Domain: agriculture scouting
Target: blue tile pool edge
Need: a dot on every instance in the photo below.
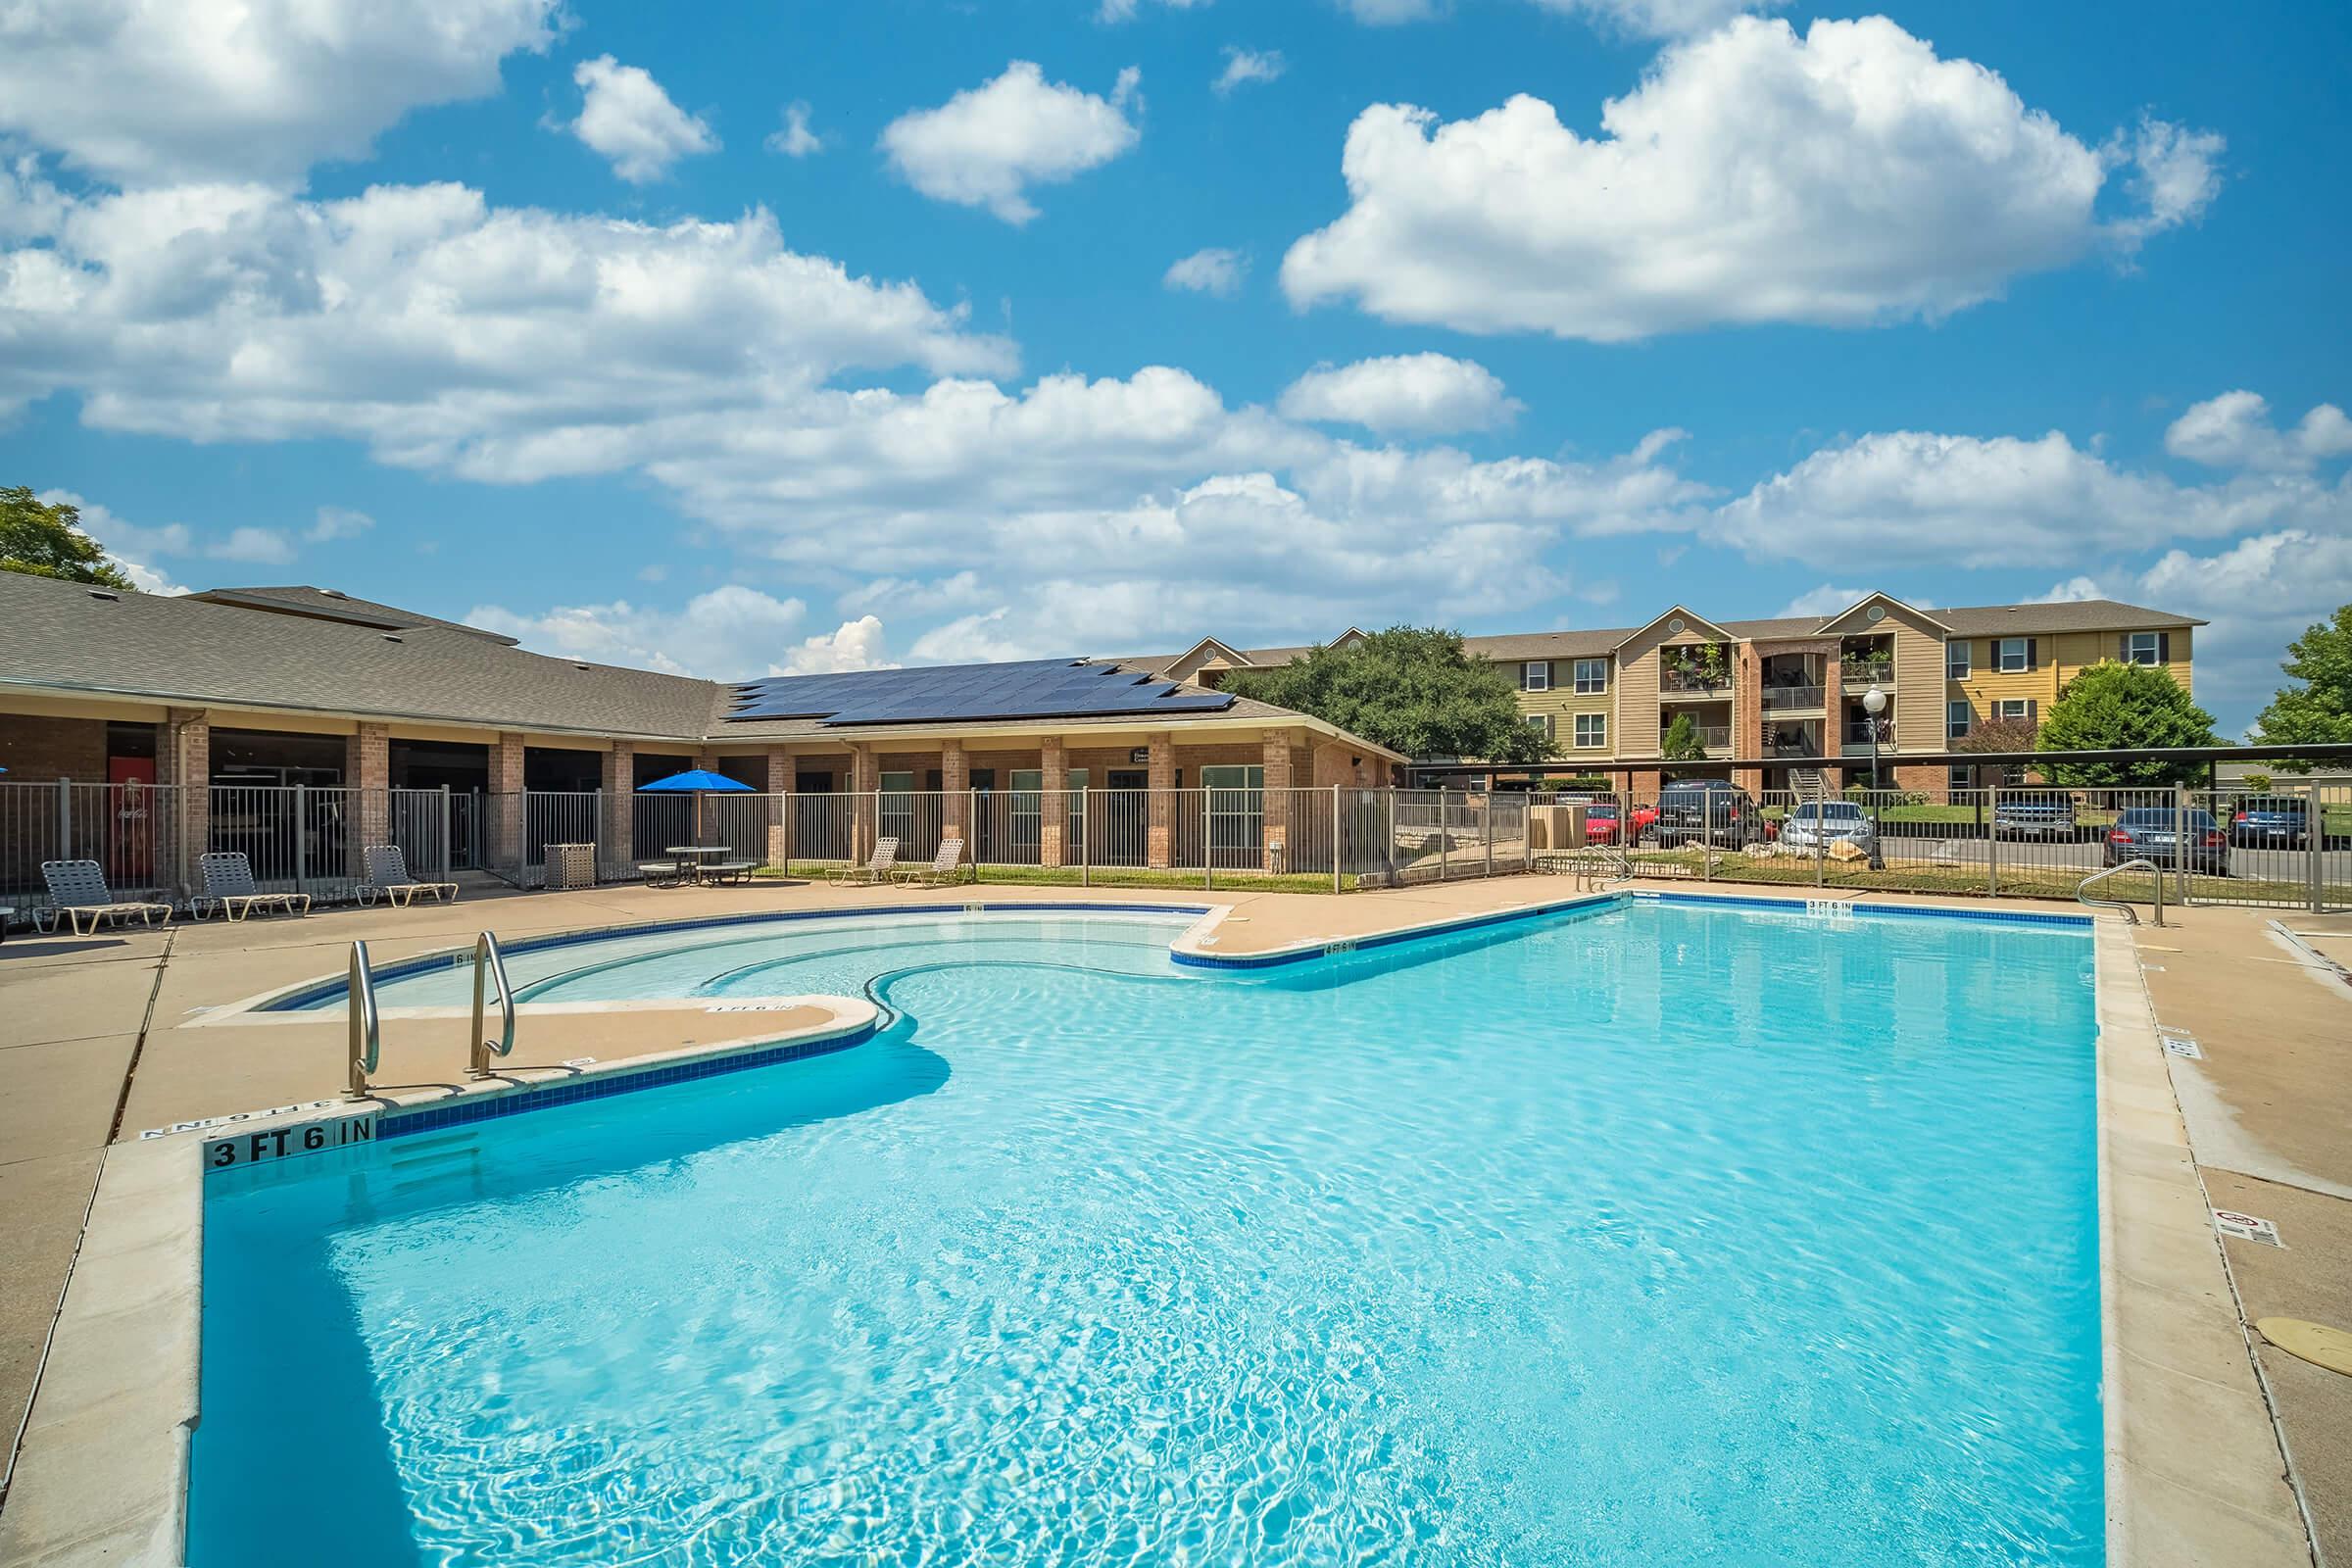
(1883, 911)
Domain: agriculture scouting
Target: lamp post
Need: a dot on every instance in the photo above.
(1874, 702)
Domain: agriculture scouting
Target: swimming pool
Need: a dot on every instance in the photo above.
(1652, 1233)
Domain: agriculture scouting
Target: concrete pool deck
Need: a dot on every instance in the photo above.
(103, 1038)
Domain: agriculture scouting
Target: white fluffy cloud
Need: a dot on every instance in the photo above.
(1910, 496)
(1658, 18)
(852, 645)
(727, 633)
(2259, 594)
(2234, 431)
(1208, 271)
(1246, 66)
(1827, 600)
(148, 90)
(499, 343)
(337, 523)
(626, 118)
(1846, 176)
(795, 139)
(987, 145)
(1413, 394)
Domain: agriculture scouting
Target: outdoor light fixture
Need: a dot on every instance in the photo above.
(1874, 702)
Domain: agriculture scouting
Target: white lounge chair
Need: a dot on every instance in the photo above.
(228, 887)
(873, 873)
(945, 871)
(388, 878)
(78, 889)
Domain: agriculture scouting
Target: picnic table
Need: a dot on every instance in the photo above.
(701, 863)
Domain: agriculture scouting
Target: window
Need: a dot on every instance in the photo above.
(2141, 648)
(1540, 723)
(2013, 654)
(1956, 717)
(1535, 677)
(1591, 730)
(1956, 660)
(2013, 707)
(1960, 778)
(1236, 813)
(1592, 676)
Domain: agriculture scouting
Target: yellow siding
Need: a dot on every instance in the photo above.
(1563, 704)
(2060, 657)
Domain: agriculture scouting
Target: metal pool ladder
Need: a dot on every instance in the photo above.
(2082, 893)
(366, 1025)
(491, 964)
(366, 1029)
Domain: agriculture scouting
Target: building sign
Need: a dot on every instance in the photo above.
(285, 1142)
(1140, 753)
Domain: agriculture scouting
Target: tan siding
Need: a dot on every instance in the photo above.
(1918, 687)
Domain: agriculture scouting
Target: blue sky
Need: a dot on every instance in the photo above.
(814, 336)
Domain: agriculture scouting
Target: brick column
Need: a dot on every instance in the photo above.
(783, 775)
(184, 757)
(1160, 842)
(617, 835)
(1053, 802)
(505, 801)
(1747, 714)
(955, 782)
(368, 774)
(865, 777)
(1926, 778)
(1277, 802)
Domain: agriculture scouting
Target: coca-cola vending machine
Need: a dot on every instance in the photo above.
(131, 821)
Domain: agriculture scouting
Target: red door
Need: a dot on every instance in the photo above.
(132, 808)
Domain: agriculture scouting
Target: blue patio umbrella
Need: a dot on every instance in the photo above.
(697, 782)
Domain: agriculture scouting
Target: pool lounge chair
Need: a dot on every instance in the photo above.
(228, 887)
(871, 874)
(388, 878)
(945, 871)
(78, 890)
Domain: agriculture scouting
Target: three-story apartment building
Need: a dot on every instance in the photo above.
(1785, 698)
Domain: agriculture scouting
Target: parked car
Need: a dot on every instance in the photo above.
(2048, 814)
(2272, 822)
(2152, 832)
(1713, 809)
(1605, 822)
(1818, 824)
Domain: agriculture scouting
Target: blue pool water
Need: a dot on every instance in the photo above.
(1654, 1236)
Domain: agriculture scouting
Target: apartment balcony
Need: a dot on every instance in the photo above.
(1858, 732)
(1700, 672)
(1694, 685)
(1715, 739)
(1794, 698)
(1860, 675)
(1783, 739)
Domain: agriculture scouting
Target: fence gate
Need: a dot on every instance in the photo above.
(2287, 848)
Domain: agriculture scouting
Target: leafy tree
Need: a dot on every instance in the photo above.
(2319, 711)
(48, 542)
(1681, 742)
(1999, 735)
(1410, 688)
(2117, 706)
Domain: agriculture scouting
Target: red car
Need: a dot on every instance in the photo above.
(1604, 821)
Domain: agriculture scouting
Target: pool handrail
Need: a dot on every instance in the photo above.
(366, 1026)
(490, 962)
(2082, 890)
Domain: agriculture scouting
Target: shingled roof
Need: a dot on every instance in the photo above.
(380, 661)
(1979, 620)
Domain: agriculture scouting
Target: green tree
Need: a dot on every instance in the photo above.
(2319, 710)
(2117, 706)
(46, 541)
(1681, 742)
(1410, 688)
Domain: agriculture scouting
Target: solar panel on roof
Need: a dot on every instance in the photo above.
(1038, 688)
